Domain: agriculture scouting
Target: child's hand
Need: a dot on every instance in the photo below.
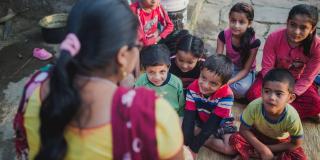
(266, 154)
(158, 39)
(156, 35)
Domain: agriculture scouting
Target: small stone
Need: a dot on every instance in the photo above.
(20, 56)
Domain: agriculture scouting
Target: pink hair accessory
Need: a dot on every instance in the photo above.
(71, 43)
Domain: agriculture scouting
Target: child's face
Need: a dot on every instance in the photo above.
(186, 61)
(238, 23)
(157, 74)
(275, 96)
(298, 28)
(209, 82)
(150, 3)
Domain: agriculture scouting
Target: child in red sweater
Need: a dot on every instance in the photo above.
(150, 14)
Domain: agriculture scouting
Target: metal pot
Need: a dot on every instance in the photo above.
(54, 27)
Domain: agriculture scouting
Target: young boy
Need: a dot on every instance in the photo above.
(156, 62)
(208, 107)
(270, 127)
(151, 16)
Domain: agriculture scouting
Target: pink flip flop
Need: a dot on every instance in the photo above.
(41, 54)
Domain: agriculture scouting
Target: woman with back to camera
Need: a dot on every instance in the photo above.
(75, 110)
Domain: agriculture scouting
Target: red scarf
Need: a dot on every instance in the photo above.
(134, 124)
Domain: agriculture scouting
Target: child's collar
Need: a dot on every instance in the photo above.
(281, 117)
(213, 94)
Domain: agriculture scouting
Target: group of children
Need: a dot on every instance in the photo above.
(76, 109)
(202, 89)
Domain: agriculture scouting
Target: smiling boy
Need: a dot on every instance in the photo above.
(156, 62)
(208, 118)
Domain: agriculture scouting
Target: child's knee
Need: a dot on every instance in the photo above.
(240, 89)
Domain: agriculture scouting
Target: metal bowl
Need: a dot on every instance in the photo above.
(54, 27)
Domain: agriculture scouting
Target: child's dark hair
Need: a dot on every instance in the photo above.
(312, 13)
(193, 44)
(155, 55)
(245, 40)
(173, 39)
(102, 27)
(220, 65)
(280, 75)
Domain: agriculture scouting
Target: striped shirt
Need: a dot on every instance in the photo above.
(219, 103)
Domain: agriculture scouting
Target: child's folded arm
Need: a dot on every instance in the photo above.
(207, 129)
(293, 144)
(246, 68)
(168, 25)
(262, 149)
(190, 114)
(188, 126)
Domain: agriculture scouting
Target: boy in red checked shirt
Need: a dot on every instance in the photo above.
(150, 13)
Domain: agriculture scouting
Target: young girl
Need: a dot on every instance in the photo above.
(156, 62)
(297, 49)
(241, 47)
(75, 110)
(151, 14)
(187, 61)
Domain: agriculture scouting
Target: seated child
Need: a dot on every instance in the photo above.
(156, 62)
(270, 126)
(241, 47)
(150, 15)
(188, 59)
(207, 118)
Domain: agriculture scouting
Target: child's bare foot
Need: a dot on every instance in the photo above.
(238, 157)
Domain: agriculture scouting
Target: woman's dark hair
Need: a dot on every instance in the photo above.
(154, 55)
(220, 65)
(103, 27)
(312, 13)
(245, 40)
(193, 44)
(280, 75)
